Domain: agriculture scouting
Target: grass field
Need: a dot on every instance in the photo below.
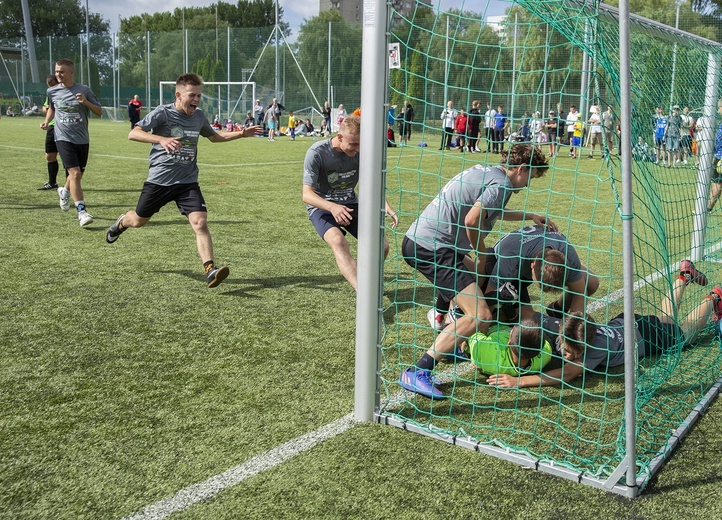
(124, 380)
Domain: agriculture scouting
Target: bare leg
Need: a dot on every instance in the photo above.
(697, 319)
(477, 317)
(131, 219)
(346, 263)
(714, 194)
(72, 183)
(199, 222)
(671, 301)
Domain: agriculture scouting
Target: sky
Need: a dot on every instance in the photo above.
(294, 11)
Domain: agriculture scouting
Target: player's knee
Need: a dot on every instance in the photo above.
(592, 284)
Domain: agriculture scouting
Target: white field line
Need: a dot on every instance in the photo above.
(197, 492)
(203, 490)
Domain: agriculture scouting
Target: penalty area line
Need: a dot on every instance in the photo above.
(208, 488)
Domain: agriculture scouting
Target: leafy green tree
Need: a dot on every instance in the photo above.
(46, 19)
(345, 59)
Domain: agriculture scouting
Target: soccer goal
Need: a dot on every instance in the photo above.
(632, 207)
(115, 114)
(222, 99)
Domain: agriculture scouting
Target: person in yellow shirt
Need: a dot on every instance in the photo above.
(292, 125)
(576, 139)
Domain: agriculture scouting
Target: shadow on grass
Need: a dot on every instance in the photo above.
(248, 287)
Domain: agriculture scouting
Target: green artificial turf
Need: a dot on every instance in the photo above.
(123, 379)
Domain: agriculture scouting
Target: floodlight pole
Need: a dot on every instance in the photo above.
(371, 207)
(630, 351)
(30, 41)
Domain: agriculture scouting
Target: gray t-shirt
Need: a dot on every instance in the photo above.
(673, 125)
(608, 348)
(71, 116)
(441, 224)
(516, 251)
(333, 175)
(180, 167)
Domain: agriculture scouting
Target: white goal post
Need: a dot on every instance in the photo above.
(226, 99)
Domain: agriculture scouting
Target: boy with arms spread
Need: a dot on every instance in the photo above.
(586, 345)
(173, 130)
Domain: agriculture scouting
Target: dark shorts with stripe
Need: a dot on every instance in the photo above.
(73, 155)
(153, 197)
(657, 336)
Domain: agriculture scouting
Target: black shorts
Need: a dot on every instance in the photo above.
(494, 296)
(153, 197)
(323, 220)
(657, 337)
(73, 155)
(443, 267)
(50, 146)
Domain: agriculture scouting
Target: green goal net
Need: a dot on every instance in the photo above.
(535, 58)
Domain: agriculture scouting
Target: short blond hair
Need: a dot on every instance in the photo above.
(351, 125)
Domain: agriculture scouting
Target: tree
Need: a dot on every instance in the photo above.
(45, 20)
(346, 54)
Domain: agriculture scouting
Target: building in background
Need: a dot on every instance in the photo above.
(352, 10)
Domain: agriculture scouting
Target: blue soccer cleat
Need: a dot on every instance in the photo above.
(420, 382)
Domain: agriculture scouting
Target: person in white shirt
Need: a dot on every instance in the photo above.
(595, 131)
(448, 119)
(489, 125)
(572, 117)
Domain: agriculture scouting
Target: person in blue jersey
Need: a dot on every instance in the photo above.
(173, 131)
(660, 126)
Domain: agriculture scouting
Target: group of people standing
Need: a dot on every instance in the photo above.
(463, 131)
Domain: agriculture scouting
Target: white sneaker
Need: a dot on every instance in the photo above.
(685, 161)
(84, 218)
(436, 319)
(677, 161)
(64, 198)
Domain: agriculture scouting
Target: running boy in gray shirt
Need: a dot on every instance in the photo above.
(173, 130)
(71, 105)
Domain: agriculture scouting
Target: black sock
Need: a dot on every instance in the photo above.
(426, 362)
(207, 266)
(53, 169)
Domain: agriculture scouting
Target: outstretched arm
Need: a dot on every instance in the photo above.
(567, 373)
(223, 136)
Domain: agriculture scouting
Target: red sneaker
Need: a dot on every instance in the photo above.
(688, 272)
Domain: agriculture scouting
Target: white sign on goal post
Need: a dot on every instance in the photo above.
(237, 95)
